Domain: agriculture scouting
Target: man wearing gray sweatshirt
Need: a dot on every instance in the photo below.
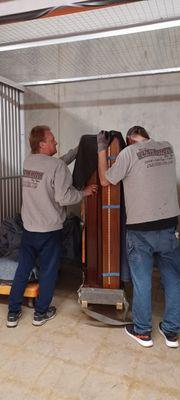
(147, 169)
(46, 190)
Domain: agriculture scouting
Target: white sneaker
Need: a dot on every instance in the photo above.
(171, 339)
(144, 339)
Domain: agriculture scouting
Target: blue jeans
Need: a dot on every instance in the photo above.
(47, 247)
(141, 247)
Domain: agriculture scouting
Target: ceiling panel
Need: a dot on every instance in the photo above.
(146, 51)
(105, 18)
(123, 54)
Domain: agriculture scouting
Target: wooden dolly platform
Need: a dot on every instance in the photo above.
(93, 296)
(31, 291)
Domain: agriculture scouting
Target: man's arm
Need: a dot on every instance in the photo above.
(70, 156)
(102, 144)
(120, 168)
(102, 167)
(64, 192)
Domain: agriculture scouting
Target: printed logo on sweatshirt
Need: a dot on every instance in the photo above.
(34, 177)
(164, 156)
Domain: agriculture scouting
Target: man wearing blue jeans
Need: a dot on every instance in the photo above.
(147, 169)
(46, 190)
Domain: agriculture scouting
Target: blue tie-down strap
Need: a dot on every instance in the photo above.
(111, 206)
(111, 158)
(110, 274)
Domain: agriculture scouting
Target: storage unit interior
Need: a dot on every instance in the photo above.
(105, 68)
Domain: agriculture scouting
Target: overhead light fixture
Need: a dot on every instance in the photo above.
(101, 77)
(152, 26)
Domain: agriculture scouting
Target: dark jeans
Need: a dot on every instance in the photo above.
(141, 247)
(47, 247)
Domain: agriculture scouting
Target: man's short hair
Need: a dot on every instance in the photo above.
(137, 130)
(36, 136)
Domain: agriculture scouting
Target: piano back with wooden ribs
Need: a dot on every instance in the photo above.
(101, 233)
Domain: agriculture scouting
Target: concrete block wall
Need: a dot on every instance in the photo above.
(75, 109)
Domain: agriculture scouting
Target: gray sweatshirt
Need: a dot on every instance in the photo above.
(147, 170)
(46, 190)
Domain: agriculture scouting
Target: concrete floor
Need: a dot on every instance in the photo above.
(72, 358)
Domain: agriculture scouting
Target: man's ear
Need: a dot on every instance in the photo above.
(41, 144)
(131, 140)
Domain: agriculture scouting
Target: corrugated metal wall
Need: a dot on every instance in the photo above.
(10, 151)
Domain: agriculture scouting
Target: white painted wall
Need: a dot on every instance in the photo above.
(75, 109)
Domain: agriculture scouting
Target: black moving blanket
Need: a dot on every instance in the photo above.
(87, 157)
